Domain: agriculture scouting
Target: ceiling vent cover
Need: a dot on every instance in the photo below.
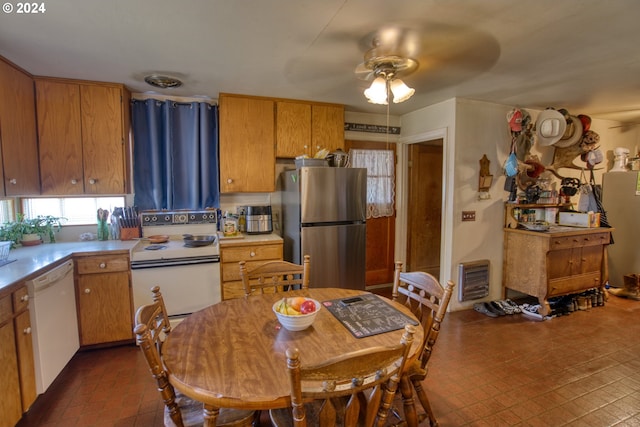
(473, 280)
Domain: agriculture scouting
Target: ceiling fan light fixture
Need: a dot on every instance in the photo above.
(377, 92)
(401, 92)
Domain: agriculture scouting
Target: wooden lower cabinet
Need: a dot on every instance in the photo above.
(104, 298)
(559, 262)
(17, 376)
(253, 253)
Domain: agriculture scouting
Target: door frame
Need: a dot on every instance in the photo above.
(446, 228)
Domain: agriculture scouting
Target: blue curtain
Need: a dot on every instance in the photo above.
(175, 155)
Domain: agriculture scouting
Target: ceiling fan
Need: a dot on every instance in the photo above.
(388, 59)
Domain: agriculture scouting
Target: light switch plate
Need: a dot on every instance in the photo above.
(468, 215)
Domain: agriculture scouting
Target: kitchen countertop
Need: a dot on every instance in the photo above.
(33, 261)
(248, 239)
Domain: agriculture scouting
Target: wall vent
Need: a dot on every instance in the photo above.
(473, 278)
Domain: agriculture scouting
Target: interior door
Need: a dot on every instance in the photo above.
(424, 207)
(380, 232)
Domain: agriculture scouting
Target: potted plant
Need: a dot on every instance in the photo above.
(30, 231)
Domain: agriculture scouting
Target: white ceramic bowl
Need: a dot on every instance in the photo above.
(296, 322)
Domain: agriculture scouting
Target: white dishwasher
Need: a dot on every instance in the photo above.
(54, 322)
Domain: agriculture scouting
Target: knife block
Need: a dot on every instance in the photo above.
(129, 233)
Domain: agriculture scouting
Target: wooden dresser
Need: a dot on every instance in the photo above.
(561, 261)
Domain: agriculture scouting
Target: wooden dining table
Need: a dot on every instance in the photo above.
(232, 354)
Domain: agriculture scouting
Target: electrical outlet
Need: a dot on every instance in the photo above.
(468, 215)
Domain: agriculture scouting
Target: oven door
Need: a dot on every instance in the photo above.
(185, 287)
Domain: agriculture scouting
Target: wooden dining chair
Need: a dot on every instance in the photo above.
(428, 301)
(356, 388)
(151, 328)
(275, 276)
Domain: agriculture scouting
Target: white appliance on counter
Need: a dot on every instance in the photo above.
(621, 202)
(54, 323)
(188, 277)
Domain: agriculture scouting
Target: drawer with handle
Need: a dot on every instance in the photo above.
(102, 264)
(578, 241)
(251, 253)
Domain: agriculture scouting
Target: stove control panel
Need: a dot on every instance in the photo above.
(157, 218)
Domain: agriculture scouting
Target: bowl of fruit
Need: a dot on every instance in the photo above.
(296, 313)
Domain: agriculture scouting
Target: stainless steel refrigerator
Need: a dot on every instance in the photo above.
(323, 213)
(621, 202)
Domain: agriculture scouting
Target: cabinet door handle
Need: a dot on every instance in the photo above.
(27, 330)
(92, 181)
(229, 180)
(103, 265)
(74, 181)
(24, 298)
(13, 181)
(252, 254)
(87, 291)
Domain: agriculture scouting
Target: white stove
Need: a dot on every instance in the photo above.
(189, 277)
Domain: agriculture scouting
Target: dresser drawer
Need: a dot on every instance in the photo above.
(102, 264)
(575, 283)
(578, 241)
(251, 253)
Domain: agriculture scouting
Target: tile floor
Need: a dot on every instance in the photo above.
(582, 369)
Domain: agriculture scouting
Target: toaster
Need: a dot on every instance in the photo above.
(258, 220)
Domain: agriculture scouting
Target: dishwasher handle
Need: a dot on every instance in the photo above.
(52, 277)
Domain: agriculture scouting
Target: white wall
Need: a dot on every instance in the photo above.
(470, 129)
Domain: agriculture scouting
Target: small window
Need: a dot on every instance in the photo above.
(380, 165)
(6, 211)
(76, 210)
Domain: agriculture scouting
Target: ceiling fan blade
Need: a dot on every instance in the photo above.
(363, 72)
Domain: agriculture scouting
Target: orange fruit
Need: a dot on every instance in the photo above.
(296, 302)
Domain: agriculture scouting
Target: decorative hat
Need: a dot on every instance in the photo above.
(550, 127)
(590, 138)
(572, 133)
(514, 117)
(586, 121)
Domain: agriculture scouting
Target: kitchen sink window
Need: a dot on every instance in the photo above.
(6, 211)
(77, 210)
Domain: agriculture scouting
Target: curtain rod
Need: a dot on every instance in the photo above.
(180, 99)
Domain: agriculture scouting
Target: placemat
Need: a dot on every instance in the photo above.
(367, 315)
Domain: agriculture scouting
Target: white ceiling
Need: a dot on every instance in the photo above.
(582, 55)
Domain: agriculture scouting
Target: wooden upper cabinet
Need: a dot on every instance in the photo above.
(103, 147)
(60, 132)
(247, 144)
(83, 137)
(18, 138)
(327, 127)
(293, 129)
(307, 127)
